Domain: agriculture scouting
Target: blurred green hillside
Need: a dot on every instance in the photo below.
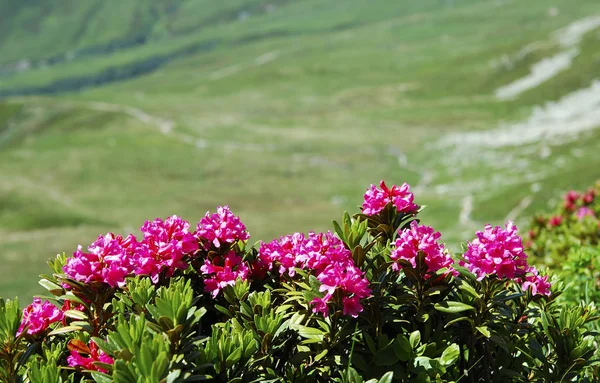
(117, 111)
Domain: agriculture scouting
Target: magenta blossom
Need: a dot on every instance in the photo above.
(326, 257)
(352, 306)
(87, 363)
(556, 220)
(164, 247)
(584, 212)
(223, 272)
(283, 252)
(496, 251)
(322, 250)
(537, 283)
(421, 238)
(589, 196)
(320, 305)
(38, 316)
(376, 199)
(350, 281)
(110, 261)
(571, 196)
(221, 227)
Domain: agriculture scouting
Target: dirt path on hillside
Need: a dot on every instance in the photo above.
(568, 38)
(164, 126)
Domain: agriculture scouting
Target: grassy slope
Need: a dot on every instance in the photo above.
(287, 120)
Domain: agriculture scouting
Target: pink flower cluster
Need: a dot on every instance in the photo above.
(221, 227)
(38, 316)
(223, 271)
(555, 220)
(95, 355)
(325, 255)
(535, 282)
(164, 247)
(421, 238)
(499, 252)
(284, 252)
(572, 198)
(496, 251)
(584, 212)
(109, 260)
(401, 197)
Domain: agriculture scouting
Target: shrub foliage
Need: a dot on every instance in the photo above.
(574, 223)
(379, 300)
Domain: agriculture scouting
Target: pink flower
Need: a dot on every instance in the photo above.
(571, 196)
(352, 306)
(347, 278)
(555, 220)
(320, 305)
(38, 316)
(350, 282)
(537, 284)
(421, 238)
(283, 252)
(164, 247)
(110, 260)
(589, 196)
(569, 206)
(496, 251)
(376, 199)
(221, 227)
(584, 212)
(223, 272)
(326, 257)
(95, 355)
(321, 250)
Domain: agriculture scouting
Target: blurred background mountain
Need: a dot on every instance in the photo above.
(117, 111)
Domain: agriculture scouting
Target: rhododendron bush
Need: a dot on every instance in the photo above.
(378, 299)
(568, 240)
(574, 223)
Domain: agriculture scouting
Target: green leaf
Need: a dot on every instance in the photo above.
(464, 286)
(460, 319)
(64, 330)
(309, 332)
(48, 285)
(370, 343)
(352, 376)
(402, 348)
(415, 339)
(450, 355)
(321, 355)
(75, 314)
(484, 330)
(101, 378)
(234, 357)
(386, 357)
(69, 296)
(339, 230)
(452, 307)
(387, 377)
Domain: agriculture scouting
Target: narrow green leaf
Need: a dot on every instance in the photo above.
(64, 330)
(484, 330)
(75, 314)
(453, 307)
